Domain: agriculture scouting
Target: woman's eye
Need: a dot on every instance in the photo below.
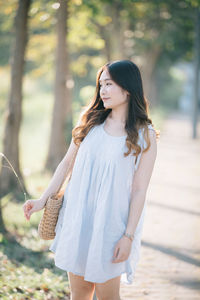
(108, 83)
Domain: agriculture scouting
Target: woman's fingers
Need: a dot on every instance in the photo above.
(119, 256)
(116, 254)
(121, 251)
(27, 209)
(31, 206)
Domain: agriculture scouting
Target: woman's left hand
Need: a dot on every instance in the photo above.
(122, 250)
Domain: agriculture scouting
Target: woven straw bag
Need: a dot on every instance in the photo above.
(47, 224)
(46, 227)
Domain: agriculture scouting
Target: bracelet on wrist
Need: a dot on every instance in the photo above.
(130, 236)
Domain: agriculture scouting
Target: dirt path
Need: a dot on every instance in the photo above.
(169, 266)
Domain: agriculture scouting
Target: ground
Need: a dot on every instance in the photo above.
(169, 266)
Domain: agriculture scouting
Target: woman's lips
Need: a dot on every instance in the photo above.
(104, 99)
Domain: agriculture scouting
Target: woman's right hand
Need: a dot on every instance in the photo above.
(31, 206)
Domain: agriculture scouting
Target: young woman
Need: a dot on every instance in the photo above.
(111, 159)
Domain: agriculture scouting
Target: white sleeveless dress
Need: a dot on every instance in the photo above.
(94, 213)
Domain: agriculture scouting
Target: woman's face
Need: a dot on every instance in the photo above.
(111, 93)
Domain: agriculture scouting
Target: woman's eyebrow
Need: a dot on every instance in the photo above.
(105, 79)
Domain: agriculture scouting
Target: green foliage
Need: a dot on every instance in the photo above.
(26, 265)
(168, 25)
(7, 14)
(20, 281)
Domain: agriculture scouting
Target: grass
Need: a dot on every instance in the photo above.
(27, 269)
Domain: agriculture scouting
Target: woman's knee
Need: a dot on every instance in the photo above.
(108, 290)
(104, 297)
(81, 295)
(79, 288)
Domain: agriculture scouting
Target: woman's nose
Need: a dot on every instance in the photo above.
(102, 91)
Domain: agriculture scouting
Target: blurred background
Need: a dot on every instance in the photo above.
(49, 56)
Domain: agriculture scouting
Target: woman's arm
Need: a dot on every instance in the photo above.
(140, 183)
(62, 171)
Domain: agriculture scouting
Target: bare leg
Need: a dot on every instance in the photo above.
(108, 290)
(80, 289)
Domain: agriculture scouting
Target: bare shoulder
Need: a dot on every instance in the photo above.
(152, 136)
(151, 153)
(144, 171)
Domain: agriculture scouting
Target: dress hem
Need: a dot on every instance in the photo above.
(126, 281)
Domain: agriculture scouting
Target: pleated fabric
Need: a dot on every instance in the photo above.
(94, 213)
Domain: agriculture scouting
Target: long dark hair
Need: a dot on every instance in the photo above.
(127, 75)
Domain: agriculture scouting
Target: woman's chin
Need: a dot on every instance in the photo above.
(106, 105)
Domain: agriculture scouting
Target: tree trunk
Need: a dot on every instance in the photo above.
(148, 74)
(195, 110)
(117, 36)
(14, 110)
(2, 224)
(62, 111)
(105, 33)
(113, 32)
